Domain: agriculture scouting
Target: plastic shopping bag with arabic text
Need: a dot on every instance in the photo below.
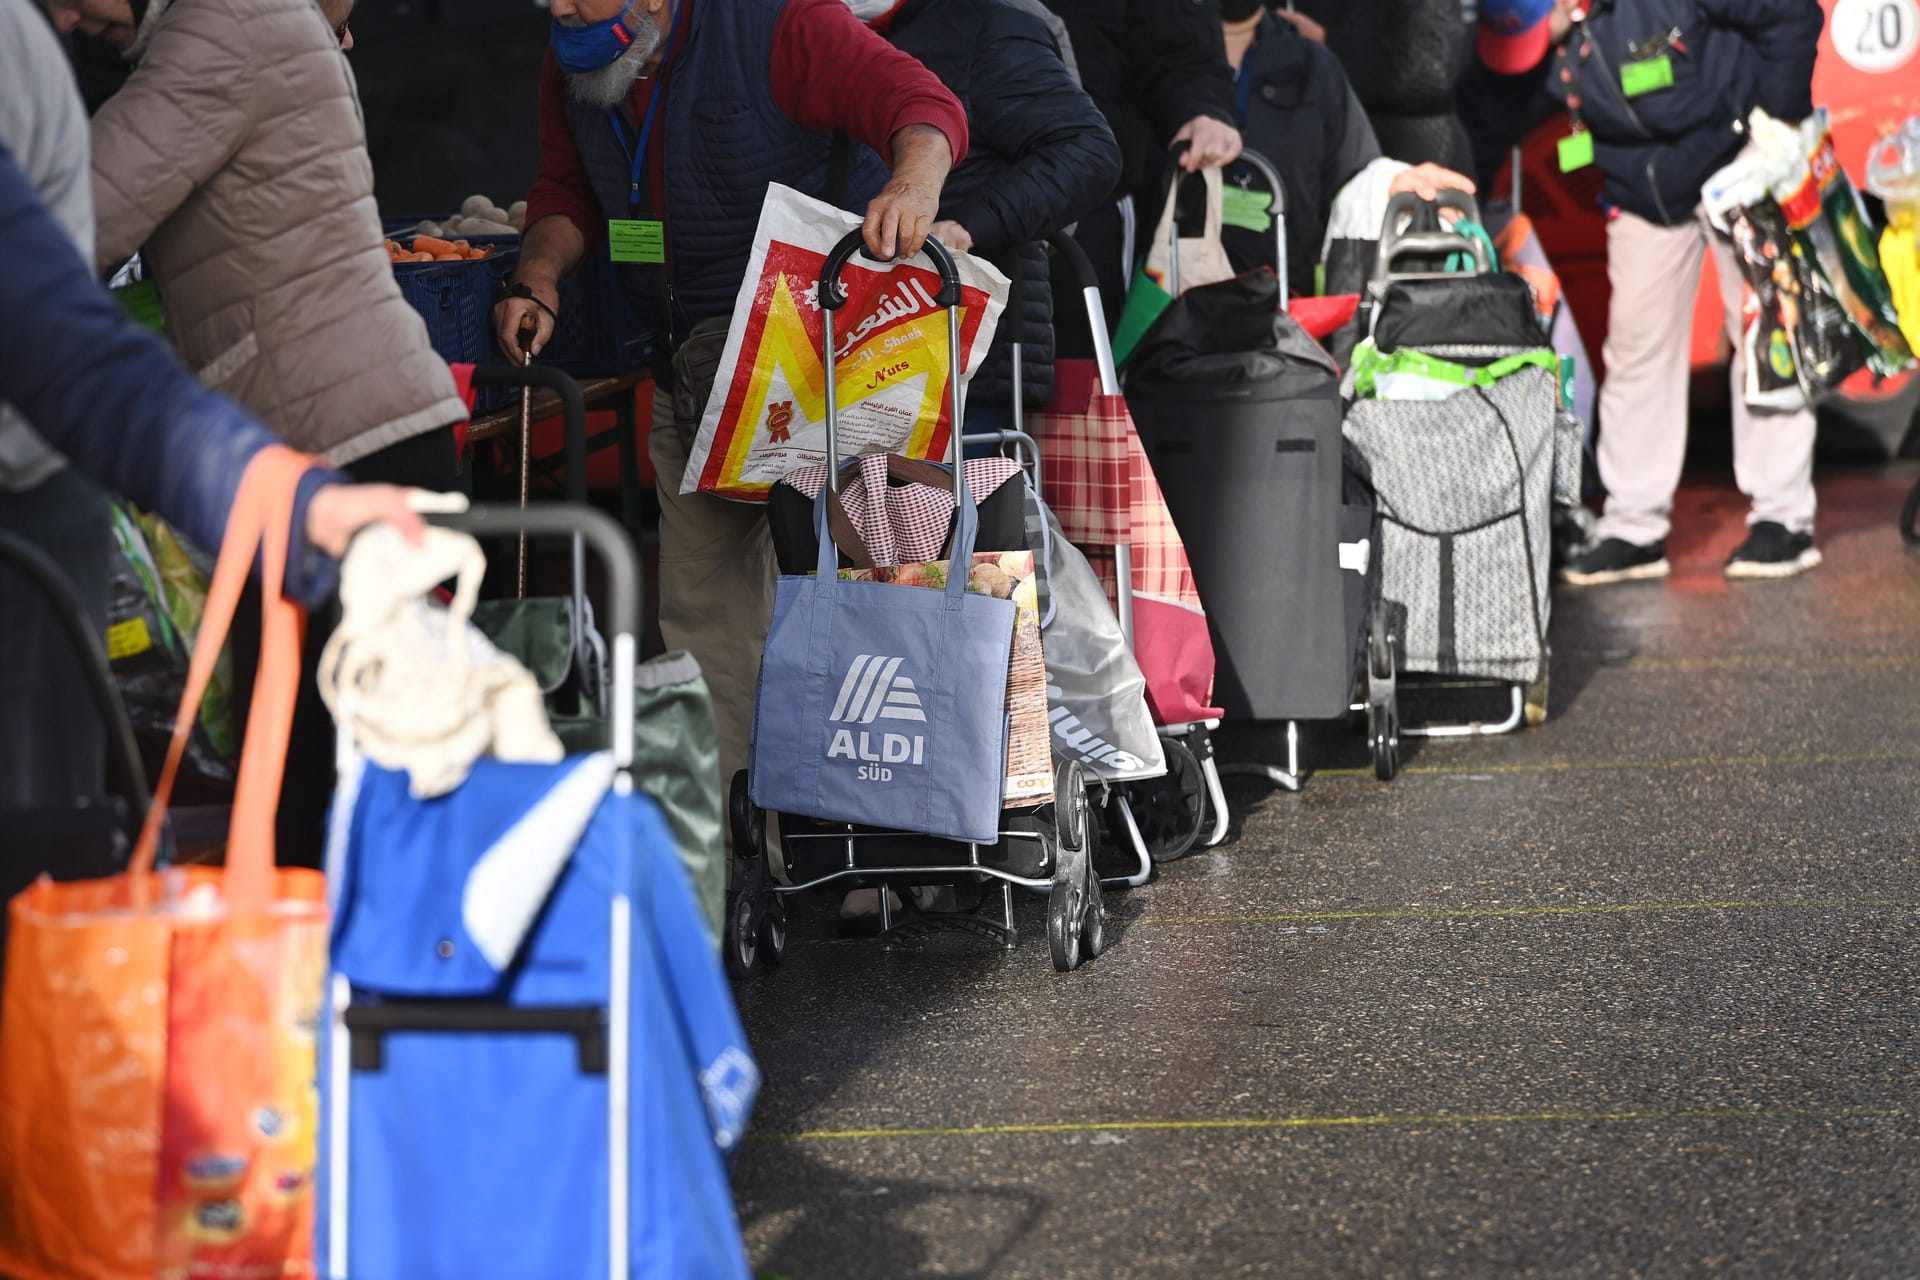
(893, 369)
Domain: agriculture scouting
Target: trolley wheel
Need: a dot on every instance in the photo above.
(772, 932)
(1536, 706)
(1063, 926)
(1071, 808)
(1171, 809)
(741, 945)
(1383, 701)
(1093, 922)
(749, 824)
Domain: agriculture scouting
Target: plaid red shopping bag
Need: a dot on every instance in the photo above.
(1101, 487)
(1085, 471)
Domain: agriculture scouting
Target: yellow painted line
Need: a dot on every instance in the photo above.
(1764, 662)
(1620, 766)
(1271, 1123)
(1570, 909)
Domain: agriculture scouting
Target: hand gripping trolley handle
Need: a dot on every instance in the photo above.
(1076, 918)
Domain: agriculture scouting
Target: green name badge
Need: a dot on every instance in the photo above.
(1576, 151)
(1247, 210)
(1646, 76)
(637, 240)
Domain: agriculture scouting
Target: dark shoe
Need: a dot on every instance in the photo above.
(1771, 552)
(1616, 560)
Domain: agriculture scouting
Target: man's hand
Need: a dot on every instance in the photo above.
(1428, 180)
(901, 215)
(953, 235)
(522, 325)
(1210, 143)
(338, 511)
(1303, 24)
(549, 249)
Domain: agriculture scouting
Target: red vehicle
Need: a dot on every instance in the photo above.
(1868, 78)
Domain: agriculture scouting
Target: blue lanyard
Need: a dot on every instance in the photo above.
(636, 156)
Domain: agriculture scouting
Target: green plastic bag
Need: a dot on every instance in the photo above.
(1407, 374)
(676, 754)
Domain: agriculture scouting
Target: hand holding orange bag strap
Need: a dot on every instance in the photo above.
(157, 1029)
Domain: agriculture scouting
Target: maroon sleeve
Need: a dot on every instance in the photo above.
(561, 189)
(831, 73)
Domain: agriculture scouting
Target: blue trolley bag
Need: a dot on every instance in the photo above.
(883, 704)
(530, 1062)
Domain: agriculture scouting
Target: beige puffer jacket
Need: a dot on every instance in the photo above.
(236, 156)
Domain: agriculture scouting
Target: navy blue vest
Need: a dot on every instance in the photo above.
(726, 139)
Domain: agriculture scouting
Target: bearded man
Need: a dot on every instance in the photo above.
(666, 120)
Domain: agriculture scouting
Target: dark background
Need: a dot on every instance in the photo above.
(449, 88)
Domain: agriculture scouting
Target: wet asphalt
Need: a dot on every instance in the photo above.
(1634, 993)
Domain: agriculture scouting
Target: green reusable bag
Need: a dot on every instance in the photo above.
(676, 754)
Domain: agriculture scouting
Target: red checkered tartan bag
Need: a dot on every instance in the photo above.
(1096, 479)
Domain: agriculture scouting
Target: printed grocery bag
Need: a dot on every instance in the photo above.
(767, 413)
(1831, 226)
(882, 704)
(157, 1057)
(157, 593)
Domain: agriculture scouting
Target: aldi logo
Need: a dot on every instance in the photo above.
(874, 690)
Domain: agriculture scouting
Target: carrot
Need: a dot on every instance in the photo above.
(431, 244)
(450, 257)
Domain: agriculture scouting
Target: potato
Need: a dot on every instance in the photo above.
(482, 227)
(495, 214)
(475, 206)
(517, 211)
(428, 229)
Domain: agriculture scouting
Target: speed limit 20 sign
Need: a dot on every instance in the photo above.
(1876, 35)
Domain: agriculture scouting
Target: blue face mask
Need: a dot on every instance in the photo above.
(594, 46)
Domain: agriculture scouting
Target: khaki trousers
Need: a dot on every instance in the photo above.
(1654, 272)
(716, 584)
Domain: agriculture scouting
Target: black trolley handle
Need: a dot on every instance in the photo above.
(1424, 234)
(833, 297)
(1082, 267)
(46, 576)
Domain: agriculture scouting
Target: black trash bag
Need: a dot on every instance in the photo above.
(1492, 310)
(1233, 331)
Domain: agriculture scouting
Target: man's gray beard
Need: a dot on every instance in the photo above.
(608, 86)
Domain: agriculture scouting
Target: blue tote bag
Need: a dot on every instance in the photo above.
(885, 705)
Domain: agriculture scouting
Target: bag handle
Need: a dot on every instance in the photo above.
(260, 521)
(899, 467)
(1215, 217)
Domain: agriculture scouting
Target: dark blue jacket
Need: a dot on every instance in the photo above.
(725, 139)
(1040, 158)
(114, 401)
(1655, 150)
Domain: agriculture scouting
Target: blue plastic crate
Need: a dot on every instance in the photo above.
(597, 334)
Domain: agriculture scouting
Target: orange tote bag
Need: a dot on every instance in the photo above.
(157, 1029)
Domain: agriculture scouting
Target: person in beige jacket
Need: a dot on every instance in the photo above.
(234, 160)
